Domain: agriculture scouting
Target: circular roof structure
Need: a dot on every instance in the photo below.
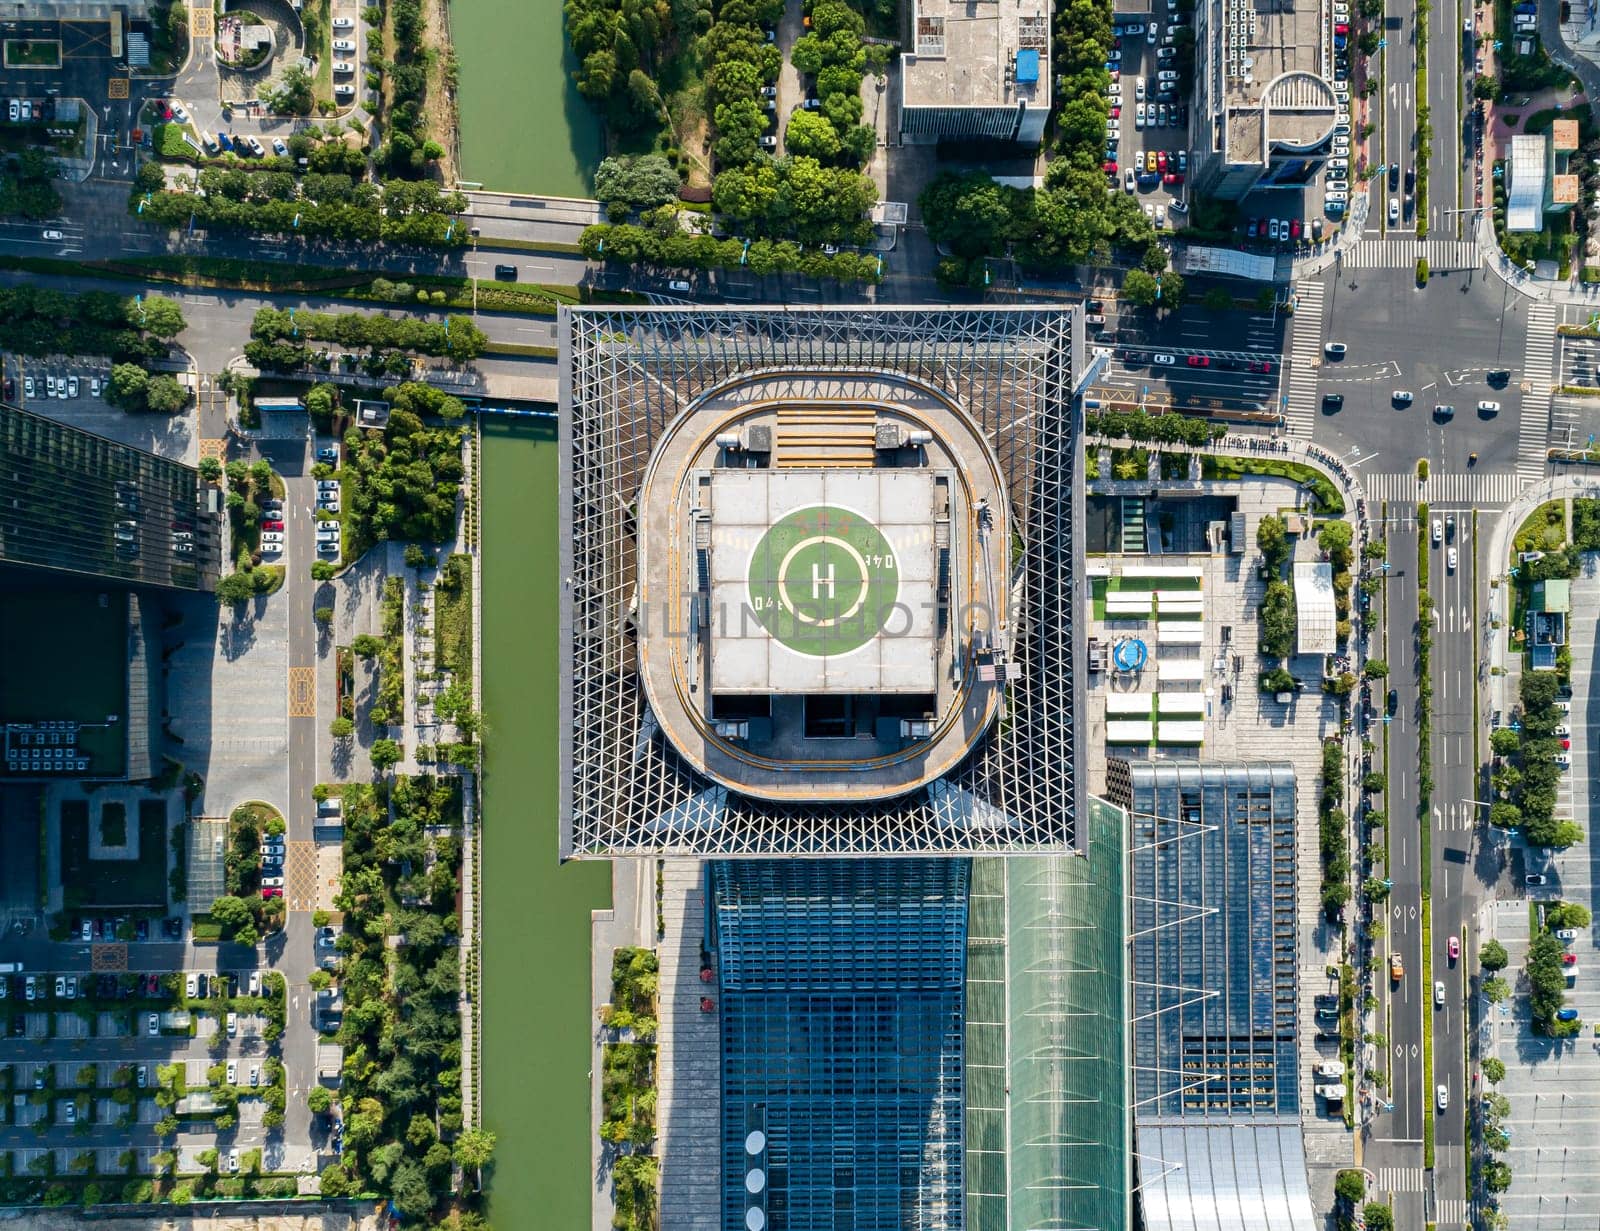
(755, 1180)
(1300, 109)
(755, 1142)
(754, 1218)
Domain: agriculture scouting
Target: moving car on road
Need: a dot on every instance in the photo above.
(1438, 994)
(1454, 947)
(1401, 397)
(1334, 350)
(1397, 969)
(1442, 1097)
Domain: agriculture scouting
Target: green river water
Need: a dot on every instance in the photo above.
(524, 126)
(536, 1023)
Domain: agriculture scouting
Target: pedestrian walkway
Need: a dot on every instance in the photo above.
(1450, 1210)
(1533, 432)
(1402, 252)
(1473, 490)
(1305, 356)
(1400, 1179)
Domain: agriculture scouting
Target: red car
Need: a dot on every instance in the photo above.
(272, 893)
(1161, 160)
(272, 523)
(1116, 113)
(1569, 959)
(1199, 361)
(1294, 228)
(1261, 365)
(1342, 28)
(1172, 177)
(1110, 168)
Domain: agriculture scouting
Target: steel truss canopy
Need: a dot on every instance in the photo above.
(626, 375)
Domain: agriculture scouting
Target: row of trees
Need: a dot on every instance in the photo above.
(1526, 776)
(638, 245)
(401, 1094)
(26, 186)
(833, 53)
(621, 45)
(36, 320)
(458, 337)
(402, 484)
(1139, 424)
(133, 388)
(401, 212)
(1277, 604)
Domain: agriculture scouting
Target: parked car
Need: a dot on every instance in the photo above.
(190, 986)
(342, 44)
(1163, 359)
(344, 23)
(256, 147)
(152, 1025)
(1535, 878)
(344, 90)
(1566, 1015)
(1561, 934)
(233, 1072)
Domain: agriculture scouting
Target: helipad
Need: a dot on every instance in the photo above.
(822, 581)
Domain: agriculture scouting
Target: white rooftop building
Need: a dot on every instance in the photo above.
(976, 71)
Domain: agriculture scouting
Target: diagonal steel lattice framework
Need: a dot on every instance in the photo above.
(625, 375)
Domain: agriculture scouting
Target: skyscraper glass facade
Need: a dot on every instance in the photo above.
(75, 502)
(841, 984)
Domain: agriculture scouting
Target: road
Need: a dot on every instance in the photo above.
(1398, 128)
(1455, 888)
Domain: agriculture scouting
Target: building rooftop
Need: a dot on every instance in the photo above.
(823, 581)
(1564, 135)
(978, 55)
(958, 423)
(1564, 190)
(1525, 201)
(1273, 63)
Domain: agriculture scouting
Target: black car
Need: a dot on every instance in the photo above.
(1394, 702)
(1499, 376)
(1411, 182)
(506, 273)
(1394, 176)
(1332, 401)
(1443, 414)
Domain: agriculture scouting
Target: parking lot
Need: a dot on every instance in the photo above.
(1553, 1086)
(1150, 120)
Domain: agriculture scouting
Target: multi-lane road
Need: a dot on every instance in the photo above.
(1450, 162)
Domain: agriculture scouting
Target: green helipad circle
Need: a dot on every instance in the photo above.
(823, 580)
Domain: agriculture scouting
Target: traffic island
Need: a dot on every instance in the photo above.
(32, 53)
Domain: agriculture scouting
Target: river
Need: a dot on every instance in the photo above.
(524, 126)
(536, 1022)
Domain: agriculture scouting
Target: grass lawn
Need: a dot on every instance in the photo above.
(124, 883)
(454, 620)
(37, 53)
(1544, 530)
(113, 823)
(1329, 502)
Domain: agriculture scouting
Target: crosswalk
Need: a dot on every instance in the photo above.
(1402, 252)
(1400, 1179)
(1305, 354)
(1450, 1210)
(1533, 432)
(1468, 489)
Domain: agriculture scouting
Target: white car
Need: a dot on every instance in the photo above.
(1150, 34)
(343, 44)
(1442, 1097)
(1338, 164)
(1438, 531)
(233, 1024)
(1394, 210)
(1140, 113)
(1161, 215)
(344, 90)
(1489, 408)
(179, 114)
(1129, 181)
(1336, 198)
(1438, 994)
(255, 983)
(72, 386)
(1165, 361)
(1563, 760)
(344, 23)
(256, 147)
(1138, 89)
(344, 66)
(233, 1072)
(14, 111)
(233, 1154)
(94, 386)
(190, 987)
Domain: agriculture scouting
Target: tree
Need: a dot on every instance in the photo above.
(341, 728)
(384, 753)
(323, 615)
(210, 469)
(810, 133)
(318, 1098)
(152, 177)
(1378, 1216)
(1350, 1186)
(1494, 1070)
(156, 315)
(236, 588)
(127, 386)
(365, 645)
(474, 1148)
(1566, 915)
(164, 395)
(1376, 669)
(1492, 955)
(1496, 989)
(1486, 88)
(1496, 1176)
(638, 183)
(335, 1181)
(293, 95)
(1503, 741)
(321, 570)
